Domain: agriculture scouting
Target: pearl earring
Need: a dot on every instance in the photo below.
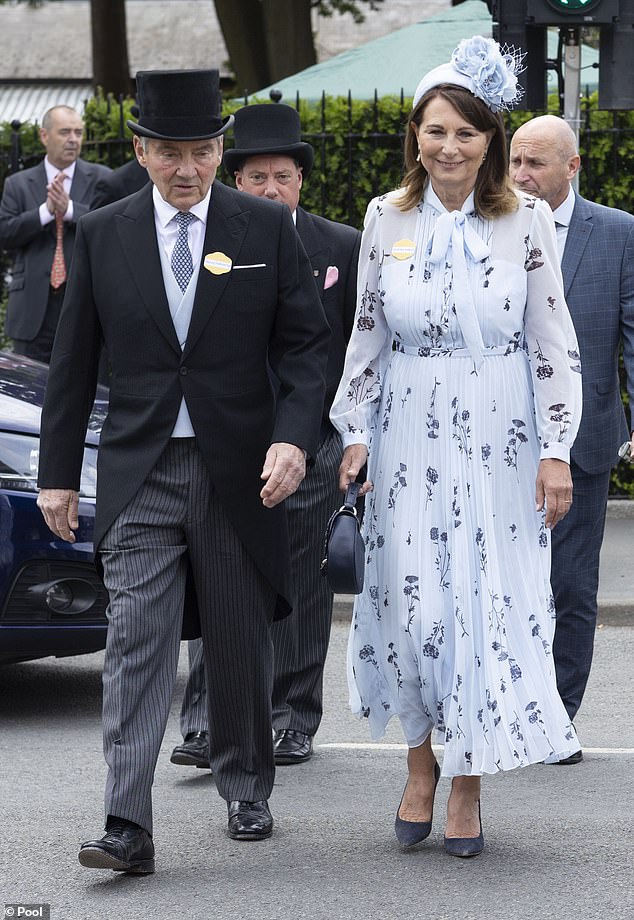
(418, 157)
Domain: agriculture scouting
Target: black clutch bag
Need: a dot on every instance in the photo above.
(344, 551)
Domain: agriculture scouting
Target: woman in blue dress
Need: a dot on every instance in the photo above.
(462, 390)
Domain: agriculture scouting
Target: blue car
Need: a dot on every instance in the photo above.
(52, 601)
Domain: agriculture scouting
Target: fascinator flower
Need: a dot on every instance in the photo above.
(484, 68)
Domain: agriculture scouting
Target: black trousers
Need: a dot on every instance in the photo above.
(41, 346)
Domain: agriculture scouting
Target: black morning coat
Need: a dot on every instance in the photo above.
(267, 313)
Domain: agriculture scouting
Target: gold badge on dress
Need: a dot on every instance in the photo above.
(217, 263)
(403, 249)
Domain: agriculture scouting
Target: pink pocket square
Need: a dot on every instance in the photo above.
(332, 276)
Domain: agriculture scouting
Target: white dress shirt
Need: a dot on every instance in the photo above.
(180, 303)
(167, 228)
(563, 216)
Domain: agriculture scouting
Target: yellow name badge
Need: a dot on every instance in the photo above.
(217, 263)
(403, 249)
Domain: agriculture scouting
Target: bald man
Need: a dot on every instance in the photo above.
(596, 246)
(39, 211)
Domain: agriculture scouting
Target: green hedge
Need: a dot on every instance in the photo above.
(358, 154)
(358, 149)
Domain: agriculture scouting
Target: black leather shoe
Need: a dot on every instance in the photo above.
(125, 847)
(291, 747)
(577, 757)
(249, 820)
(193, 752)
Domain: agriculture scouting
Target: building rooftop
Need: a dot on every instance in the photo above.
(46, 55)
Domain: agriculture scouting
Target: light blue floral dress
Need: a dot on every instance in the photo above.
(461, 373)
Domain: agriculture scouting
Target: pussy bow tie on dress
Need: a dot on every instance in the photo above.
(453, 231)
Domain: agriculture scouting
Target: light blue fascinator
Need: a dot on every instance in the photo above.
(484, 68)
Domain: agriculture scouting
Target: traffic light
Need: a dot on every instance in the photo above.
(572, 12)
(510, 28)
(524, 24)
(616, 61)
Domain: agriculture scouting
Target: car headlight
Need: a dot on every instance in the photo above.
(19, 460)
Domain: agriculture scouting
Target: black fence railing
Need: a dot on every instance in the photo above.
(607, 153)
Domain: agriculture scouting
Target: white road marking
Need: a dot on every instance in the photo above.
(381, 746)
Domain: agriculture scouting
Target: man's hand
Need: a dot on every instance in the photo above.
(284, 468)
(553, 489)
(354, 457)
(60, 510)
(57, 199)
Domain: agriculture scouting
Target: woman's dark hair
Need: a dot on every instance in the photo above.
(494, 195)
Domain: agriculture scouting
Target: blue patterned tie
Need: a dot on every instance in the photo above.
(182, 264)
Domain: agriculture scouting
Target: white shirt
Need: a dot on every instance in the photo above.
(51, 172)
(167, 228)
(563, 216)
(167, 234)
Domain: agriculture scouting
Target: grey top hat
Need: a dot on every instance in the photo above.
(268, 129)
(179, 105)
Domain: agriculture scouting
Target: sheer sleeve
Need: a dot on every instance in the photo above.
(356, 402)
(551, 341)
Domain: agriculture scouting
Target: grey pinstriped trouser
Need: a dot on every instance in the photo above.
(176, 512)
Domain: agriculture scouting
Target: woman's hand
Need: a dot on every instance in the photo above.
(553, 489)
(353, 460)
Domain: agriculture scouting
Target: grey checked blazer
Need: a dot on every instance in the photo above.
(598, 270)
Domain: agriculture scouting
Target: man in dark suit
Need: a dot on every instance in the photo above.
(126, 180)
(597, 260)
(270, 160)
(39, 211)
(197, 292)
(123, 181)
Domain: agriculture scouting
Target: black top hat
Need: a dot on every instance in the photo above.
(268, 128)
(179, 105)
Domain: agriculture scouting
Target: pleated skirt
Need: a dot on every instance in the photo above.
(454, 627)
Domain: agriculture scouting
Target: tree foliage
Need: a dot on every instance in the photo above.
(328, 7)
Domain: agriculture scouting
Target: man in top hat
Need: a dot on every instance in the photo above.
(196, 291)
(269, 160)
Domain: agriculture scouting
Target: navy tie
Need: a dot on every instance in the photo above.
(182, 264)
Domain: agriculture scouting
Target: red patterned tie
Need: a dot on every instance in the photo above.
(58, 268)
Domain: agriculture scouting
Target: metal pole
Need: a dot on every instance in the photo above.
(572, 86)
(15, 155)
